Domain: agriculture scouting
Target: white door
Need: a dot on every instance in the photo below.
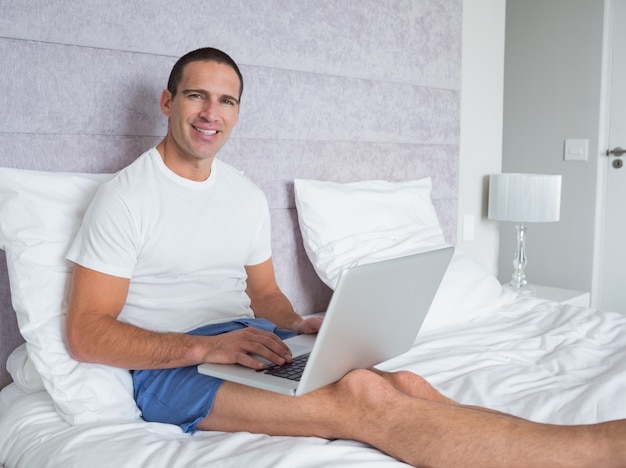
(613, 286)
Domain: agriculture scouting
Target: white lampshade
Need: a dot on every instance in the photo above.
(524, 198)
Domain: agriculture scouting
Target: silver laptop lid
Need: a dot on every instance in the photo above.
(374, 314)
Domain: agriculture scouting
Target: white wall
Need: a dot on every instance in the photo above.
(481, 124)
(516, 113)
(552, 93)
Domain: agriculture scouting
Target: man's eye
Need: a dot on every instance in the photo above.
(228, 102)
(196, 96)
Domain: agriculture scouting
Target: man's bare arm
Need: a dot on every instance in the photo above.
(268, 301)
(94, 333)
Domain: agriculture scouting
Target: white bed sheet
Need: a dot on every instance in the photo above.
(532, 358)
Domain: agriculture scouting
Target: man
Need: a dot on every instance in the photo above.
(173, 269)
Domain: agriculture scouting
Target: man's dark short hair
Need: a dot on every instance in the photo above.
(205, 54)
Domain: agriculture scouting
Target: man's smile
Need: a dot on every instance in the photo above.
(204, 132)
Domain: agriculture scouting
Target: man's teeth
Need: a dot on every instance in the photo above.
(206, 132)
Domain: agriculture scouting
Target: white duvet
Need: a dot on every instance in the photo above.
(535, 359)
(480, 345)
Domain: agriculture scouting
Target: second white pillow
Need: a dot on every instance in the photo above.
(347, 224)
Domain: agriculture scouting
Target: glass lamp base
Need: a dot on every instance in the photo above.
(518, 281)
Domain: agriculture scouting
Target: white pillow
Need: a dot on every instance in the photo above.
(354, 223)
(23, 372)
(467, 292)
(40, 213)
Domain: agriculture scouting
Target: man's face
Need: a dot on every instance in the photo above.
(203, 112)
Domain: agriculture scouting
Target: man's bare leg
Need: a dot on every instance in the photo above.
(413, 385)
(365, 406)
(417, 386)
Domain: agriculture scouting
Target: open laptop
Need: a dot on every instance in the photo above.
(374, 314)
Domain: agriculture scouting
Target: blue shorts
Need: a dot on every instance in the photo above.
(182, 396)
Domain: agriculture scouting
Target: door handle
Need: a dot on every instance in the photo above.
(616, 151)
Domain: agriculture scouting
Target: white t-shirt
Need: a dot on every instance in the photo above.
(183, 244)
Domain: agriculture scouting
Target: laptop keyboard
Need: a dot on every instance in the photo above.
(292, 371)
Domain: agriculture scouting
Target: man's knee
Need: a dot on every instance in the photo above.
(419, 386)
(363, 385)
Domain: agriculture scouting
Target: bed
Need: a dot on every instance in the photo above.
(382, 104)
(481, 344)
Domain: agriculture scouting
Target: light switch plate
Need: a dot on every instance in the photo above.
(576, 150)
(469, 228)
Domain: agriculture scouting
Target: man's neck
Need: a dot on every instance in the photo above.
(192, 169)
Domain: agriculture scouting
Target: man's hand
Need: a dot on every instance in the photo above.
(239, 347)
(310, 325)
(268, 301)
(245, 345)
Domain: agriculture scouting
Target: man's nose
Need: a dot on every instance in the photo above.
(209, 110)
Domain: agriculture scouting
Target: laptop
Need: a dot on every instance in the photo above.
(374, 315)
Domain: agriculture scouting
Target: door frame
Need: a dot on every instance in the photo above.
(603, 144)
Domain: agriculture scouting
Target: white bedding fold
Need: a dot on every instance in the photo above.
(532, 358)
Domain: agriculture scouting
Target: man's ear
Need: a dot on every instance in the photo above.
(166, 102)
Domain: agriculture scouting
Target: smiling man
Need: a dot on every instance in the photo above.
(201, 117)
(173, 259)
(173, 268)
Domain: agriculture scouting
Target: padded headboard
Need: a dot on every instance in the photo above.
(334, 90)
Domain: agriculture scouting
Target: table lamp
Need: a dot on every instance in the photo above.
(522, 199)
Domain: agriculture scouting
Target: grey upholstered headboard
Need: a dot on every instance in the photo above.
(333, 90)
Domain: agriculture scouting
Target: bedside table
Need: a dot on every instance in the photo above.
(563, 296)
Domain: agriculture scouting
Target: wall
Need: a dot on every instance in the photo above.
(552, 93)
(481, 125)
